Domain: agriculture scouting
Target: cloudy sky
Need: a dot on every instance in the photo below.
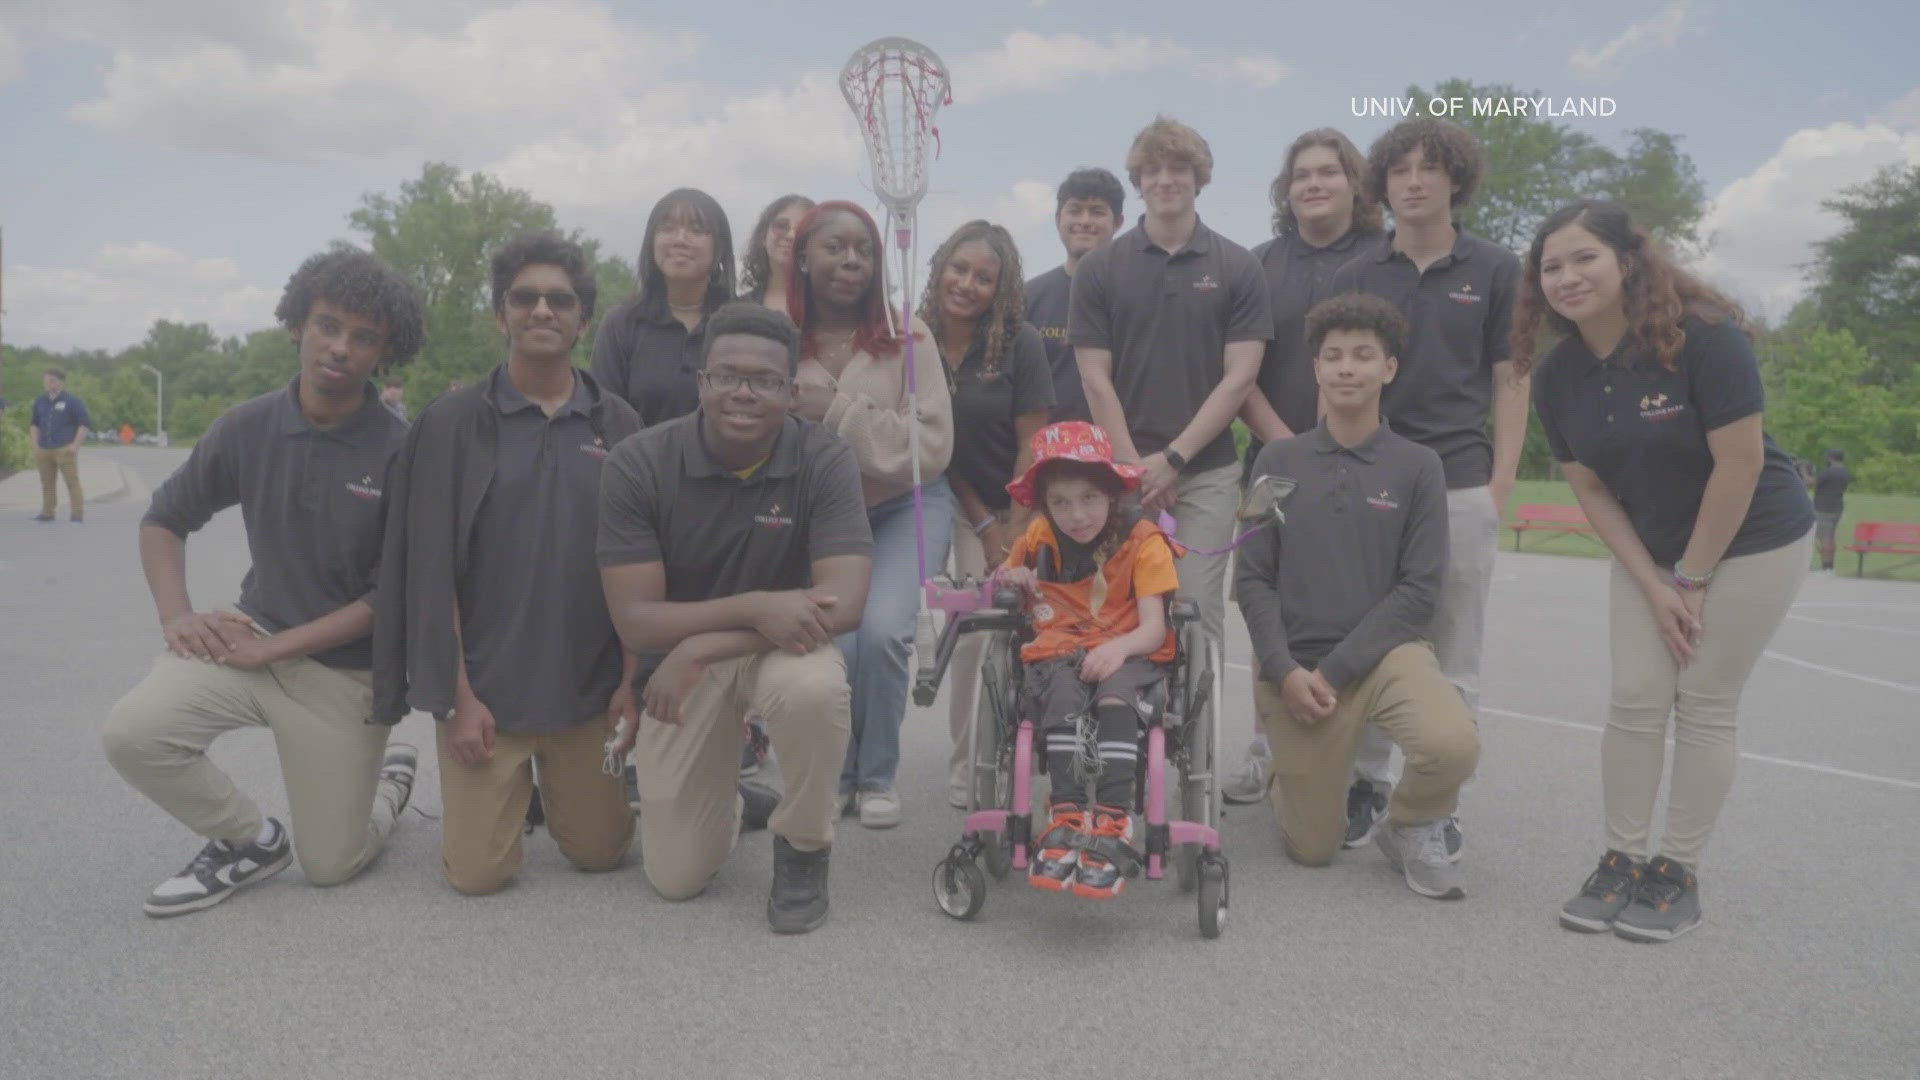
(178, 159)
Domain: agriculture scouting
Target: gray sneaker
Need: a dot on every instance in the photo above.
(1607, 891)
(1366, 810)
(1419, 852)
(1248, 783)
(1666, 903)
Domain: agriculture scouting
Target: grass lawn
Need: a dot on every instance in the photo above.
(1859, 508)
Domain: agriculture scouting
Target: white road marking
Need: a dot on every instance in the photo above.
(1913, 785)
(1881, 605)
(1854, 675)
(1856, 625)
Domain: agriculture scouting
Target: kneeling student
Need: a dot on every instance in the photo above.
(1337, 598)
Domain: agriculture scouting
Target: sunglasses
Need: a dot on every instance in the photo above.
(558, 300)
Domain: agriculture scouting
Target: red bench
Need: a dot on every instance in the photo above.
(1547, 517)
(1884, 537)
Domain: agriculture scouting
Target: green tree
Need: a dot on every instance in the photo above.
(1867, 276)
(1821, 395)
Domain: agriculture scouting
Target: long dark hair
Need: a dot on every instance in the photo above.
(756, 270)
(706, 213)
(1655, 291)
(1001, 320)
(873, 336)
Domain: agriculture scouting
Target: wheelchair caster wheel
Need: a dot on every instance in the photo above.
(1213, 895)
(997, 853)
(959, 887)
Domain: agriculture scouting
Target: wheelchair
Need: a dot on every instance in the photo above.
(1177, 795)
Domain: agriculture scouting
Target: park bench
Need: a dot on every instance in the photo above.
(1884, 537)
(1547, 517)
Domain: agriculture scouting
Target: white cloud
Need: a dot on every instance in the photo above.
(1662, 31)
(1259, 72)
(112, 300)
(1761, 226)
(1027, 61)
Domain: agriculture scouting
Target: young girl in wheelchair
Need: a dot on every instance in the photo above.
(1097, 573)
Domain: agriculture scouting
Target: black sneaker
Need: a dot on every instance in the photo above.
(1608, 890)
(536, 812)
(1366, 809)
(630, 781)
(753, 752)
(400, 766)
(1455, 842)
(757, 803)
(798, 902)
(220, 870)
(1666, 903)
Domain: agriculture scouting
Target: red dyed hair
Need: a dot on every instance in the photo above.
(873, 336)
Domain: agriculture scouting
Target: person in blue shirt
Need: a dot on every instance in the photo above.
(60, 424)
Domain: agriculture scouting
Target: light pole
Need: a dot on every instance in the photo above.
(159, 405)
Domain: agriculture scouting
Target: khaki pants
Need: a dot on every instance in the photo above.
(963, 672)
(54, 464)
(690, 771)
(1203, 519)
(1749, 597)
(157, 737)
(1408, 697)
(484, 806)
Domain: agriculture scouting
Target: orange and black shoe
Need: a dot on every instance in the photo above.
(1103, 876)
(1054, 858)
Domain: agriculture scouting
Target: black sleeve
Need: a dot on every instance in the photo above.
(611, 349)
(1249, 308)
(1256, 588)
(1032, 377)
(207, 483)
(1544, 406)
(1498, 342)
(1089, 309)
(629, 509)
(1406, 611)
(838, 522)
(1723, 374)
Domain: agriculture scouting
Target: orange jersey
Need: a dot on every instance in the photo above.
(1068, 616)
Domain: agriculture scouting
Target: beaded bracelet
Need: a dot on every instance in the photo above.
(1691, 582)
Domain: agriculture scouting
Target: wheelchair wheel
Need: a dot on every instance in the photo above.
(1199, 789)
(959, 887)
(1212, 873)
(992, 750)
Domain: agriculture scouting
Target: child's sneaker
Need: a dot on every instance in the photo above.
(1054, 863)
(1100, 877)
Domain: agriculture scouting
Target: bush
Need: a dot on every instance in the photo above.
(16, 446)
(1888, 473)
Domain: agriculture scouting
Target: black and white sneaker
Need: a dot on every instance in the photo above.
(220, 870)
(402, 763)
(1366, 809)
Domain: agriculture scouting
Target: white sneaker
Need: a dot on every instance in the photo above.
(1419, 852)
(1248, 783)
(879, 809)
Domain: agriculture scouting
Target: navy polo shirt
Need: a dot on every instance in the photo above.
(541, 651)
(311, 501)
(646, 356)
(1460, 316)
(1048, 298)
(986, 400)
(59, 419)
(1168, 318)
(1298, 276)
(1643, 430)
(1830, 489)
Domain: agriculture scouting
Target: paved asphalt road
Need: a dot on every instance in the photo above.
(1807, 966)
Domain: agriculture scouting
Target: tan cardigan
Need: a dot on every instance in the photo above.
(870, 413)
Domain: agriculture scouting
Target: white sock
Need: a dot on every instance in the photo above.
(267, 833)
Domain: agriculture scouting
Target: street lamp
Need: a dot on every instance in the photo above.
(159, 405)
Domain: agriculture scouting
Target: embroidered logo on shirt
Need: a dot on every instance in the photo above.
(1206, 283)
(1383, 501)
(773, 518)
(1655, 407)
(1054, 333)
(364, 489)
(597, 449)
(1465, 295)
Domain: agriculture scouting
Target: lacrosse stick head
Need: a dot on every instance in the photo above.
(895, 87)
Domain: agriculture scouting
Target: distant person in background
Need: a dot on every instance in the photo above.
(768, 259)
(1086, 214)
(393, 395)
(1829, 502)
(59, 426)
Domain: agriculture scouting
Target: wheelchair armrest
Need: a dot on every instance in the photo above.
(1183, 612)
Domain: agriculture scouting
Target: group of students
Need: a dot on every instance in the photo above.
(715, 528)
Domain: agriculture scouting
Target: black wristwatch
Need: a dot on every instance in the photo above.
(1176, 459)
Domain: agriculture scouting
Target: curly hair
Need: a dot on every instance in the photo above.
(1168, 140)
(756, 270)
(358, 282)
(1656, 293)
(1368, 218)
(1357, 311)
(543, 247)
(875, 335)
(1001, 320)
(1453, 146)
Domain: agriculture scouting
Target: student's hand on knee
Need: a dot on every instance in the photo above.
(1101, 662)
(1307, 696)
(672, 683)
(795, 621)
(470, 731)
(195, 635)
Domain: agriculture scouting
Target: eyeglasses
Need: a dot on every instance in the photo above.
(725, 382)
(558, 300)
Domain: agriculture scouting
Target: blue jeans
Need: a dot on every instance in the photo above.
(877, 652)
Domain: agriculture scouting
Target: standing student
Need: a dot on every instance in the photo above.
(1169, 324)
(1456, 292)
(1321, 211)
(58, 426)
(1829, 502)
(768, 258)
(1652, 403)
(491, 615)
(307, 465)
(996, 370)
(649, 345)
(1087, 210)
(853, 379)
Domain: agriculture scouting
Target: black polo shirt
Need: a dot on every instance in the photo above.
(541, 651)
(650, 358)
(311, 501)
(985, 403)
(1355, 570)
(1298, 275)
(1048, 298)
(665, 499)
(1830, 489)
(1643, 430)
(1459, 316)
(1168, 320)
